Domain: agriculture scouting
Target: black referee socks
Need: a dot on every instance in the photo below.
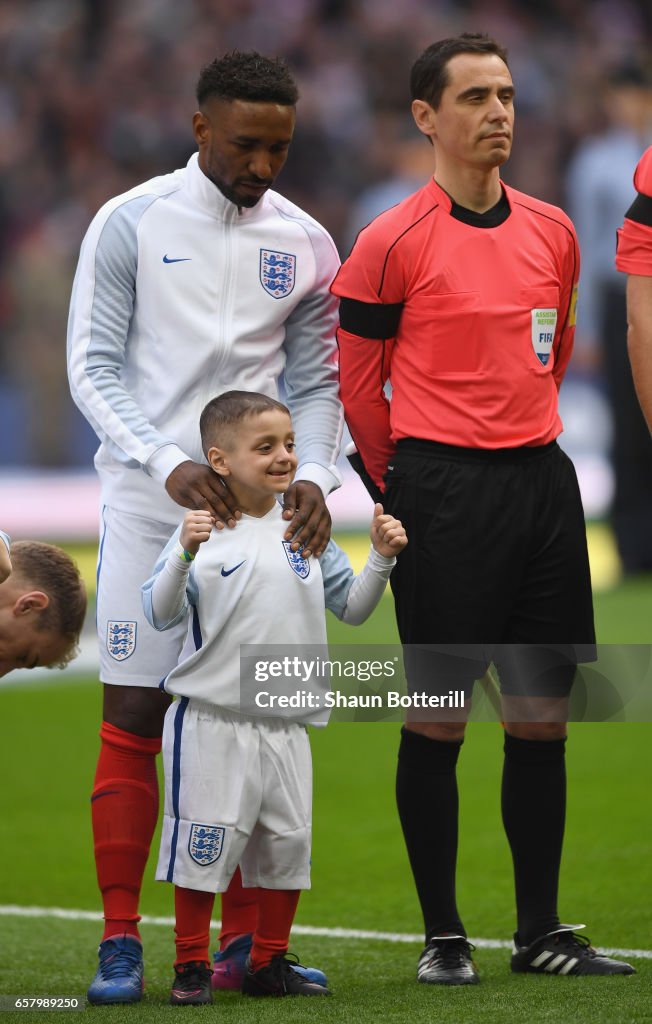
(534, 812)
(427, 800)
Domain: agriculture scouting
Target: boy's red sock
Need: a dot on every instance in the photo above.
(124, 808)
(239, 911)
(192, 910)
(276, 910)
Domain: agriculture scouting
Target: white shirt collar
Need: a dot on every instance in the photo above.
(207, 195)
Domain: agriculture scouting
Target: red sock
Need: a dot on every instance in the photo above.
(239, 911)
(276, 910)
(192, 910)
(124, 808)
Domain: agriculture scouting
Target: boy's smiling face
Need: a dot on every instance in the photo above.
(259, 462)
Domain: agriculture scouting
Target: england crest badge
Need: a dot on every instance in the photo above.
(277, 272)
(205, 843)
(298, 564)
(120, 639)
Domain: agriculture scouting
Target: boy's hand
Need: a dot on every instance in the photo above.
(387, 534)
(196, 529)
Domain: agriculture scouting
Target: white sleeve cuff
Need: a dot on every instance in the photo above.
(380, 563)
(164, 460)
(326, 479)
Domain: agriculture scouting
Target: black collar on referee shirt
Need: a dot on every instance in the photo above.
(489, 219)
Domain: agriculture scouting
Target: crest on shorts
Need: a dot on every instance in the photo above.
(120, 639)
(277, 272)
(298, 563)
(205, 843)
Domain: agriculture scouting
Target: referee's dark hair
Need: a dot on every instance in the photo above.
(429, 76)
(248, 76)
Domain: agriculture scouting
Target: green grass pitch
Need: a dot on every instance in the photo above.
(360, 874)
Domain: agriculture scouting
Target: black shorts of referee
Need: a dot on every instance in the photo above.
(496, 566)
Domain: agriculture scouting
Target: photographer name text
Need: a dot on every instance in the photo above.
(337, 699)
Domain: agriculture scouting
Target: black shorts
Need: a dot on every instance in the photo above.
(496, 568)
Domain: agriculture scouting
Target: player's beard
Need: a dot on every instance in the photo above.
(231, 192)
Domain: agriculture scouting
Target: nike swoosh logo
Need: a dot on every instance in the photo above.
(182, 259)
(227, 572)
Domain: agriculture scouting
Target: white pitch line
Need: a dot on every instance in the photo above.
(62, 914)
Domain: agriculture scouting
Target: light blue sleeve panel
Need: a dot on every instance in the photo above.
(101, 308)
(191, 596)
(5, 538)
(338, 578)
(311, 376)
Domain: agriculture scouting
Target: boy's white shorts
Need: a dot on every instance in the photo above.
(238, 790)
(132, 652)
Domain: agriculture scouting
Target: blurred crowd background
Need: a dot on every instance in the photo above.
(97, 95)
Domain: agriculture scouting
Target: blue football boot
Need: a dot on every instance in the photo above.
(119, 977)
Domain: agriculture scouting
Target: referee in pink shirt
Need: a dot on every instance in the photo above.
(463, 297)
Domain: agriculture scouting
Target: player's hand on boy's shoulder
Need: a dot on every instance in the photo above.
(195, 486)
(196, 529)
(388, 535)
(310, 525)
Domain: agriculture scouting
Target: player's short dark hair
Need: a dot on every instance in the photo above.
(248, 76)
(429, 76)
(52, 570)
(223, 415)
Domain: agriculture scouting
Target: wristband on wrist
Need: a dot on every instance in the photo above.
(182, 553)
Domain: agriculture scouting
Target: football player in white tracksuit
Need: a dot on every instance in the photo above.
(189, 284)
(238, 785)
(143, 370)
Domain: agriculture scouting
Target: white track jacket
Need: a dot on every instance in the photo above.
(179, 296)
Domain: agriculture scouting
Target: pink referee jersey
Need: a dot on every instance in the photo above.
(473, 325)
(634, 249)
